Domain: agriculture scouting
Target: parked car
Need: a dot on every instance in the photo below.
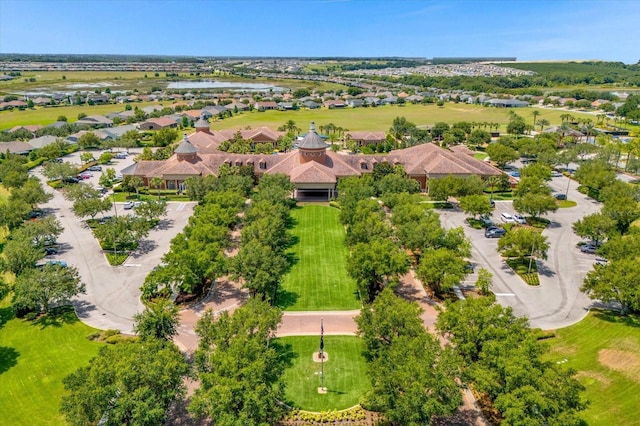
(60, 263)
(601, 261)
(128, 205)
(84, 175)
(555, 173)
(71, 179)
(518, 218)
(120, 155)
(95, 168)
(104, 219)
(588, 248)
(486, 221)
(515, 174)
(49, 251)
(507, 218)
(560, 196)
(494, 232)
(35, 214)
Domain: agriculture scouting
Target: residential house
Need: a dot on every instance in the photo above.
(42, 141)
(17, 147)
(158, 123)
(95, 121)
(507, 103)
(41, 101)
(310, 105)
(265, 105)
(285, 106)
(389, 100)
(31, 128)
(354, 103)
(233, 106)
(98, 99)
(335, 103)
(12, 105)
(365, 138)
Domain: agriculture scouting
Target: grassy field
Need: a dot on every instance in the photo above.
(605, 351)
(345, 373)
(318, 279)
(381, 118)
(48, 115)
(34, 358)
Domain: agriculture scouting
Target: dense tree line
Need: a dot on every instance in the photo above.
(261, 260)
(196, 255)
(413, 379)
(503, 360)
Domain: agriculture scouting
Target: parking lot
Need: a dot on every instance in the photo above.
(557, 302)
(113, 293)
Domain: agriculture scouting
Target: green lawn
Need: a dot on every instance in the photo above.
(381, 118)
(345, 373)
(48, 115)
(34, 358)
(605, 351)
(318, 279)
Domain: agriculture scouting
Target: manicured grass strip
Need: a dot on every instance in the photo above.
(318, 279)
(345, 372)
(521, 267)
(604, 349)
(34, 358)
(563, 204)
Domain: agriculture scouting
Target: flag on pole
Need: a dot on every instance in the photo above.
(321, 336)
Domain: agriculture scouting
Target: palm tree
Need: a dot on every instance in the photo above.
(565, 117)
(588, 129)
(157, 183)
(542, 123)
(535, 114)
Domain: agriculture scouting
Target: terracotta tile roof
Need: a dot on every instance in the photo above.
(312, 172)
(461, 149)
(366, 136)
(426, 159)
(205, 142)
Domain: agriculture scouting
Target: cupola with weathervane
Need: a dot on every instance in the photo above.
(312, 147)
(186, 151)
(202, 125)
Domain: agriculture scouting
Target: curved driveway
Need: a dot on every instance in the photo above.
(557, 302)
(112, 295)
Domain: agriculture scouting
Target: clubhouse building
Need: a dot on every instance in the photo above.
(313, 169)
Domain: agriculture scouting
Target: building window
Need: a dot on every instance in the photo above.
(363, 166)
(263, 165)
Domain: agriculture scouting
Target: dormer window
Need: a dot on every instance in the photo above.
(238, 163)
(363, 166)
(263, 165)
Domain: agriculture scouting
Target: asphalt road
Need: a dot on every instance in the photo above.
(557, 302)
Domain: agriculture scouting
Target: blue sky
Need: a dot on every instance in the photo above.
(529, 30)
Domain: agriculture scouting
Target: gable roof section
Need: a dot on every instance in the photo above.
(312, 172)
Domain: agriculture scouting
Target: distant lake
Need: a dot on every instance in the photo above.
(214, 84)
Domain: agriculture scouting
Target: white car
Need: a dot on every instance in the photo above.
(519, 219)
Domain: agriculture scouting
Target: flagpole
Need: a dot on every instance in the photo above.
(321, 354)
